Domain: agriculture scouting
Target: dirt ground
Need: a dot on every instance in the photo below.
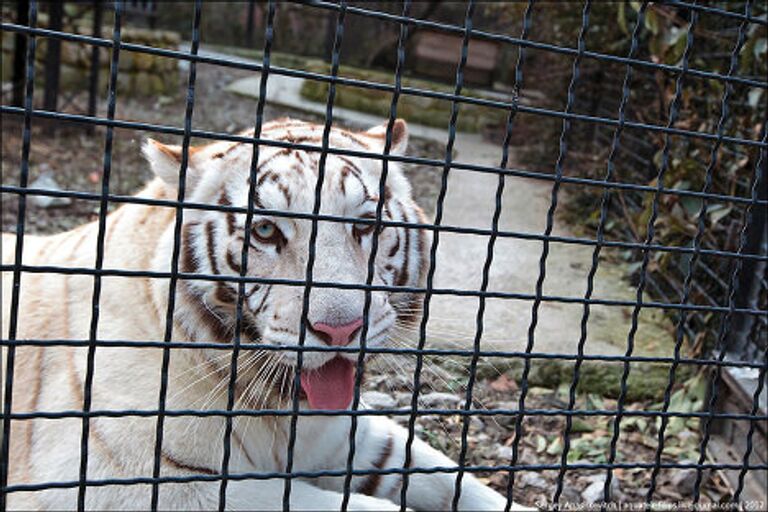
(490, 437)
(74, 158)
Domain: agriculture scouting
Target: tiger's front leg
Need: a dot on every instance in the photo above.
(268, 495)
(381, 445)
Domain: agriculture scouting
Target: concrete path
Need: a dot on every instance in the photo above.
(470, 202)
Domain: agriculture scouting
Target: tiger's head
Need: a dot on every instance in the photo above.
(286, 179)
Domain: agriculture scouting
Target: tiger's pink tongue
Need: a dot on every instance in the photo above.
(331, 386)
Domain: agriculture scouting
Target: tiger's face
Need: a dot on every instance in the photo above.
(279, 247)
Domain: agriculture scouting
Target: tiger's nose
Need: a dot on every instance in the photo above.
(336, 335)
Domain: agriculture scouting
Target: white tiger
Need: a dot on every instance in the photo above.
(140, 237)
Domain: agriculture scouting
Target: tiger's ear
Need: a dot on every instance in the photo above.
(399, 136)
(165, 161)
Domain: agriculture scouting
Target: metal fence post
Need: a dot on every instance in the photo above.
(749, 281)
(93, 90)
(249, 23)
(20, 53)
(53, 57)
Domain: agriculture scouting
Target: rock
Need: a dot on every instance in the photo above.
(163, 65)
(509, 405)
(125, 82)
(126, 61)
(147, 84)
(686, 436)
(480, 439)
(139, 35)
(378, 400)
(70, 54)
(46, 182)
(684, 480)
(104, 79)
(143, 61)
(86, 52)
(505, 454)
(398, 381)
(528, 457)
(476, 423)
(373, 380)
(503, 384)
(569, 495)
(436, 399)
(529, 479)
(595, 491)
(400, 420)
(72, 77)
(172, 39)
(403, 398)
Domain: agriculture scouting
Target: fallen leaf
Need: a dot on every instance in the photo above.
(555, 447)
(580, 425)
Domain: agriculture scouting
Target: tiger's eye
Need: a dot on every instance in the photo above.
(266, 232)
(360, 230)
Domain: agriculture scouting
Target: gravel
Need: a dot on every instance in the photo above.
(490, 438)
(377, 400)
(46, 182)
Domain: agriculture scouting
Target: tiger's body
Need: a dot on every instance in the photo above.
(140, 237)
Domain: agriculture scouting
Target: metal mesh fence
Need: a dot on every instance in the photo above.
(740, 265)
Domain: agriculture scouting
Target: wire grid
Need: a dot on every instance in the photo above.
(608, 185)
(678, 280)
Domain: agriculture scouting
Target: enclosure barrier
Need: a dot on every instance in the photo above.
(718, 361)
